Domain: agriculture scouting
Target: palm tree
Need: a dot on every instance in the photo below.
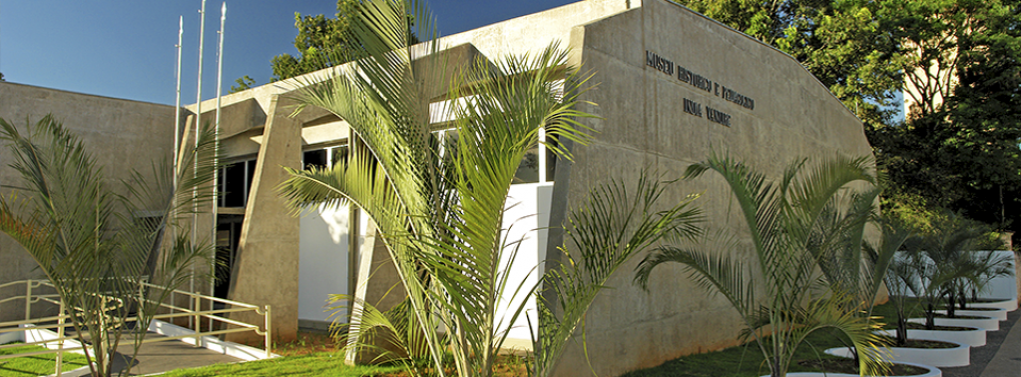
(897, 274)
(93, 245)
(948, 260)
(780, 286)
(440, 202)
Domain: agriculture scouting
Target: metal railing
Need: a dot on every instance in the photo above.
(193, 312)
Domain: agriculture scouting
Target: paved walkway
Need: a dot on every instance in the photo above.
(1000, 357)
(164, 356)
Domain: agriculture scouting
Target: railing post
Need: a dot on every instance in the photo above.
(28, 299)
(191, 304)
(269, 332)
(173, 303)
(196, 306)
(60, 339)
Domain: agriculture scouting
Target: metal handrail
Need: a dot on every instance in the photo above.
(193, 313)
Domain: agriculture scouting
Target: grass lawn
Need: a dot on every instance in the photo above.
(746, 360)
(326, 364)
(38, 365)
(316, 355)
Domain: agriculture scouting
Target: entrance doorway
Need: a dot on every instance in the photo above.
(228, 236)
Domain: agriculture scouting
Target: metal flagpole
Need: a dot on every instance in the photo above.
(177, 112)
(219, 88)
(198, 127)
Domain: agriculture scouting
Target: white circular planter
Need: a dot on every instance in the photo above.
(932, 372)
(974, 337)
(986, 323)
(938, 357)
(1000, 313)
(1008, 303)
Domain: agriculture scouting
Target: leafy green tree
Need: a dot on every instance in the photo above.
(779, 283)
(441, 211)
(959, 146)
(325, 42)
(321, 42)
(89, 242)
(243, 83)
(844, 43)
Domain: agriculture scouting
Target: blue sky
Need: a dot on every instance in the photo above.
(125, 49)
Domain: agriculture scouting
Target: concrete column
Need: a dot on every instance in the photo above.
(266, 270)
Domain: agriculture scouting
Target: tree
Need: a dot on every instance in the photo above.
(325, 42)
(244, 83)
(441, 210)
(321, 42)
(846, 44)
(95, 246)
(779, 287)
(959, 147)
(2, 77)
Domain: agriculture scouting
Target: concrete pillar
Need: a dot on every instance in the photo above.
(266, 269)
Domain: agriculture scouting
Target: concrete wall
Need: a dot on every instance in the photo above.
(643, 124)
(112, 129)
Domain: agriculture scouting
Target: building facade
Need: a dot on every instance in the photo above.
(673, 87)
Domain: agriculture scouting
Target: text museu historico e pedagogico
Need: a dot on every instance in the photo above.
(702, 83)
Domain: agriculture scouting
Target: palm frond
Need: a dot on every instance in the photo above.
(615, 224)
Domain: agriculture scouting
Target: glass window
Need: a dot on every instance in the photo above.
(234, 185)
(315, 158)
(234, 191)
(250, 177)
(528, 170)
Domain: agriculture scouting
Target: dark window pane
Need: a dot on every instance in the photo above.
(234, 185)
(315, 158)
(221, 179)
(528, 171)
(251, 177)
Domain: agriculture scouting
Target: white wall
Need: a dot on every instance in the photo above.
(323, 260)
(526, 219)
(1004, 286)
(1000, 287)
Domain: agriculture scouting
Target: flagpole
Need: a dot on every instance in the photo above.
(216, 148)
(177, 106)
(198, 127)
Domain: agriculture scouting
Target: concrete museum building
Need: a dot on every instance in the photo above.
(673, 86)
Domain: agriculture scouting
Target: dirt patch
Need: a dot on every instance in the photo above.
(307, 343)
(921, 326)
(958, 316)
(981, 309)
(919, 343)
(848, 366)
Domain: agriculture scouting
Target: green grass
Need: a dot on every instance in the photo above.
(326, 364)
(912, 306)
(746, 360)
(38, 365)
(741, 361)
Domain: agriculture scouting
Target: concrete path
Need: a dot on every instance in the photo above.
(1007, 360)
(1000, 357)
(164, 356)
